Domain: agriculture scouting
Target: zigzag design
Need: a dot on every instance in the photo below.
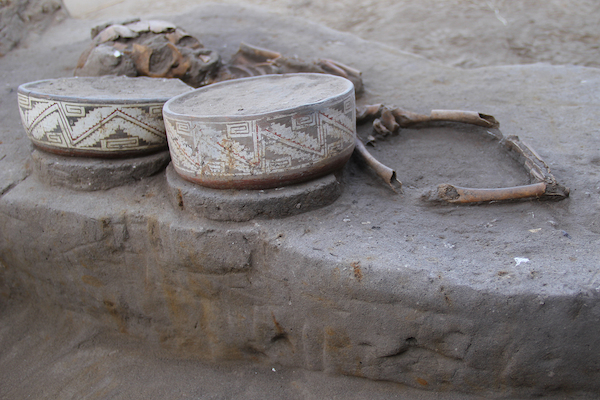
(46, 112)
(77, 134)
(274, 146)
(296, 145)
(323, 121)
(118, 113)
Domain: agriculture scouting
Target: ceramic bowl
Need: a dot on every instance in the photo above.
(106, 116)
(262, 132)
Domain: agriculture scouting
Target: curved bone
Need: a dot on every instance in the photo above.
(384, 172)
(405, 118)
(544, 186)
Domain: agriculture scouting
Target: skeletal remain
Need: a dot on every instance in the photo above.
(252, 61)
(384, 172)
(457, 194)
(161, 49)
(388, 121)
(152, 48)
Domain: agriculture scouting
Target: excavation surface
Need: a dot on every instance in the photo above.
(497, 299)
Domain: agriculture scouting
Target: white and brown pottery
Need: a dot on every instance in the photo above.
(97, 117)
(262, 132)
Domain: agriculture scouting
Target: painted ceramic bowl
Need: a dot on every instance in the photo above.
(106, 116)
(262, 132)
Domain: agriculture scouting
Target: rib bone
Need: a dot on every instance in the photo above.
(544, 184)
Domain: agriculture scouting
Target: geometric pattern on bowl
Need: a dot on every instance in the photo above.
(270, 147)
(94, 117)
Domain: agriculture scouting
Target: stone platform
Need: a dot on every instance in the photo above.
(498, 300)
(90, 174)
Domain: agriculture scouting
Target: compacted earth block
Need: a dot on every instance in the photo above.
(126, 290)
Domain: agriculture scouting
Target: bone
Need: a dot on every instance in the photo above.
(544, 185)
(388, 120)
(337, 68)
(536, 167)
(364, 113)
(467, 117)
(259, 52)
(331, 67)
(349, 70)
(406, 118)
(384, 172)
(456, 194)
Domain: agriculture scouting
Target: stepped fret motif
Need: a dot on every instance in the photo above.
(253, 147)
(90, 127)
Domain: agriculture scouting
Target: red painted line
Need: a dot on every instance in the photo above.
(238, 155)
(293, 141)
(185, 154)
(35, 121)
(104, 120)
(337, 122)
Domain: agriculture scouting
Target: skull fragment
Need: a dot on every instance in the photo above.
(148, 48)
(160, 49)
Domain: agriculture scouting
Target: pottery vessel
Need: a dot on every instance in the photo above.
(262, 132)
(106, 116)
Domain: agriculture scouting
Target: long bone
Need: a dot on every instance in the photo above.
(387, 121)
(252, 60)
(383, 171)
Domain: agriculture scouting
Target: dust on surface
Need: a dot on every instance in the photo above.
(261, 95)
(460, 33)
(109, 88)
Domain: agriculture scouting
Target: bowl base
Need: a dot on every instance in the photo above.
(244, 205)
(89, 174)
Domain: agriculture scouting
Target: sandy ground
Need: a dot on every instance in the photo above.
(461, 33)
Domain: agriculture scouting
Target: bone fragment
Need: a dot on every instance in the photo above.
(258, 52)
(544, 184)
(457, 194)
(337, 68)
(405, 118)
(536, 167)
(369, 111)
(384, 172)
(331, 67)
(467, 117)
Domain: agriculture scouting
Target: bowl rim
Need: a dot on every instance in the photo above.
(191, 117)
(29, 90)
